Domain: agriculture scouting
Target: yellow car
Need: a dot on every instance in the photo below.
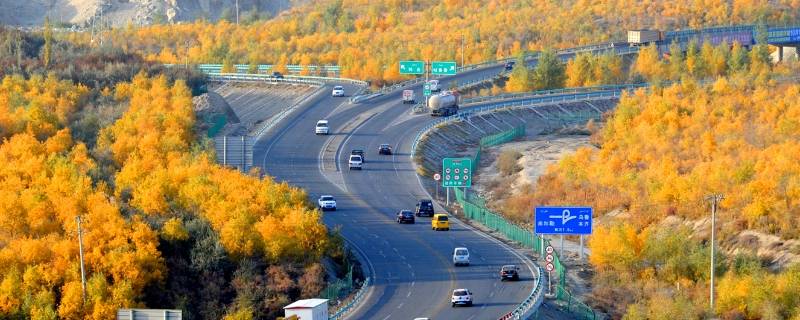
(440, 222)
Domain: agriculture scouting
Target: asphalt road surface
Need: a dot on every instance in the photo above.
(411, 265)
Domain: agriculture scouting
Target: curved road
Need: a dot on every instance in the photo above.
(411, 264)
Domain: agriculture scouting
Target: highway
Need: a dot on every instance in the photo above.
(411, 264)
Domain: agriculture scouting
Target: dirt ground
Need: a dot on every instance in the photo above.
(538, 153)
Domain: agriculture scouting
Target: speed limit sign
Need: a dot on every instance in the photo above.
(548, 249)
(437, 177)
(548, 258)
(549, 266)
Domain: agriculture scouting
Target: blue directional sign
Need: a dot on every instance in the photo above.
(563, 220)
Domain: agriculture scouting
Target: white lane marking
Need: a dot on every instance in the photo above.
(400, 306)
(491, 294)
(472, 317)
(413, 282)
(412, 275)
(387, 317)
(408, 294)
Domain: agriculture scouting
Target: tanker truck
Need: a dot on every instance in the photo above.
(443, 104)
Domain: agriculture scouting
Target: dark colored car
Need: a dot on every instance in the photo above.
(277, 75)
(510, 65)
(359, 152)
(385, 149)
(509, 272)
(424, 208)
(405, 216)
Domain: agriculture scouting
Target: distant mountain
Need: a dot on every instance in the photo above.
(138, 12)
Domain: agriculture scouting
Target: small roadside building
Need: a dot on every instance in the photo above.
(308, 309)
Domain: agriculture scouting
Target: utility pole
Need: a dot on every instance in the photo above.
(715, 199)
(462, 50)
(237, 12)
(80, 250)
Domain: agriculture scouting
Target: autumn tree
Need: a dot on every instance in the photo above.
(521, 78)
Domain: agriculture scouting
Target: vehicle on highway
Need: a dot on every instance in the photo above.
(443, 104)
(277, 75)
(461, 297)
(509, 272)
(510, 65)
(359, 152)
(408, 97)
(385, 149)
(338, 91)
(424, 208)
(322, 127)
(460, 256)
(405, 216)
(440, 222)
(434, 85)
(355, 162)
(326, 202)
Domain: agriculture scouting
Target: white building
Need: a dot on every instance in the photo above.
(309, 309)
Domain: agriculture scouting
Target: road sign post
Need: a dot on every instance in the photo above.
(457, 172)
(437, 177)
(412, 67)
(563, 220)
(444, 68)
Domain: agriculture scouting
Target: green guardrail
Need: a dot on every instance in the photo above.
(340, 287)
(475, 209)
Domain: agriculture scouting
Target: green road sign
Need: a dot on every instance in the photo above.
(447, 68)
(456, 172)
(426, 89)
(412, 67)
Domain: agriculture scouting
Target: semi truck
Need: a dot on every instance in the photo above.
(443, 104)
(642, 37)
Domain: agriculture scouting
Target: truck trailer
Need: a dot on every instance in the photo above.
(443, 104)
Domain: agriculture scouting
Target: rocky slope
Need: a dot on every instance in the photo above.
(81, 13)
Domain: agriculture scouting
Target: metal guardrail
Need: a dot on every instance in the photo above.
(472, 111)
(510, 96)
(312, 80)
(350, 305)
(528, 307)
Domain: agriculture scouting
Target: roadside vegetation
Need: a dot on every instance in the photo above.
(113, 139)
(661, 152)
(368, 38)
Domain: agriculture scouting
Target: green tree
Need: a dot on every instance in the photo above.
(739, 59)
(676, 61)
(695, 65)
(549, 72)
(47, 49)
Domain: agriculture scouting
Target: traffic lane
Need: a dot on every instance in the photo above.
(444, 81)
(301, 121)
(410, 273)
(476, 277)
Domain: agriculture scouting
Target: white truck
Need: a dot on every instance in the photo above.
(322, 127)
(408, 97)
(443, 104)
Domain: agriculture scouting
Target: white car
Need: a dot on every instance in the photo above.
(461, 256)
(461, 296)
(338, 91)
(434, 85)
(355, 162)
(322, 127)
(327, 202)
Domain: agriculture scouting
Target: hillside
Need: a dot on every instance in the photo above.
(368, 38)
(137, 12)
